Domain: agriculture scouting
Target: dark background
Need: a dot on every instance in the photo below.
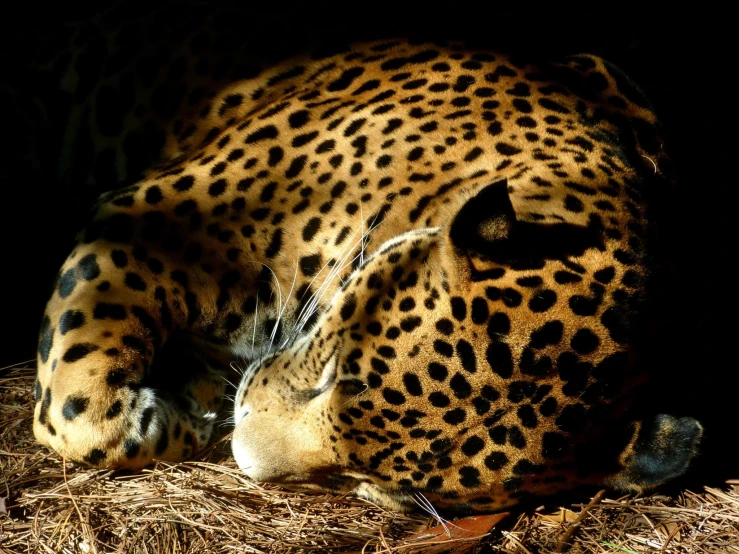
(674, 56)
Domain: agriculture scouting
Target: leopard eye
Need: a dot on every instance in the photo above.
(328, 377)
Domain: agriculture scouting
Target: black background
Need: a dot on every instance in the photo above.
(676, 58)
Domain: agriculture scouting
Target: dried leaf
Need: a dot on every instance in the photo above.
(3, 509)
(563, 515)
(466, 530)
(668, 530)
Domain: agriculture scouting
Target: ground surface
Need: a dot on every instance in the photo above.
(208, 507)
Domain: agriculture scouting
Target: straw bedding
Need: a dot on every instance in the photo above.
(207, 506)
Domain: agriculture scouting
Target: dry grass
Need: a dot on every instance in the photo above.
(207, 506)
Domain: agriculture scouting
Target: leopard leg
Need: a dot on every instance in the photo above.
(188, 382)
(167, 411)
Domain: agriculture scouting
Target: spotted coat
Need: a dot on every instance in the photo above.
(436, 258)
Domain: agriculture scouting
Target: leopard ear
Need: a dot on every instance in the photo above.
(484, 222)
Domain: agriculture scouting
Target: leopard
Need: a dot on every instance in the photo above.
(427, 266)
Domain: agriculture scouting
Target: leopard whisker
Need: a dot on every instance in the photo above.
(427, 507)
(337, 269)
(237, 368)
(282, 311)
(312, 305)
(366, 386)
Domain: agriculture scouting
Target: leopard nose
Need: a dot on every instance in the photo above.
(242, 456)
